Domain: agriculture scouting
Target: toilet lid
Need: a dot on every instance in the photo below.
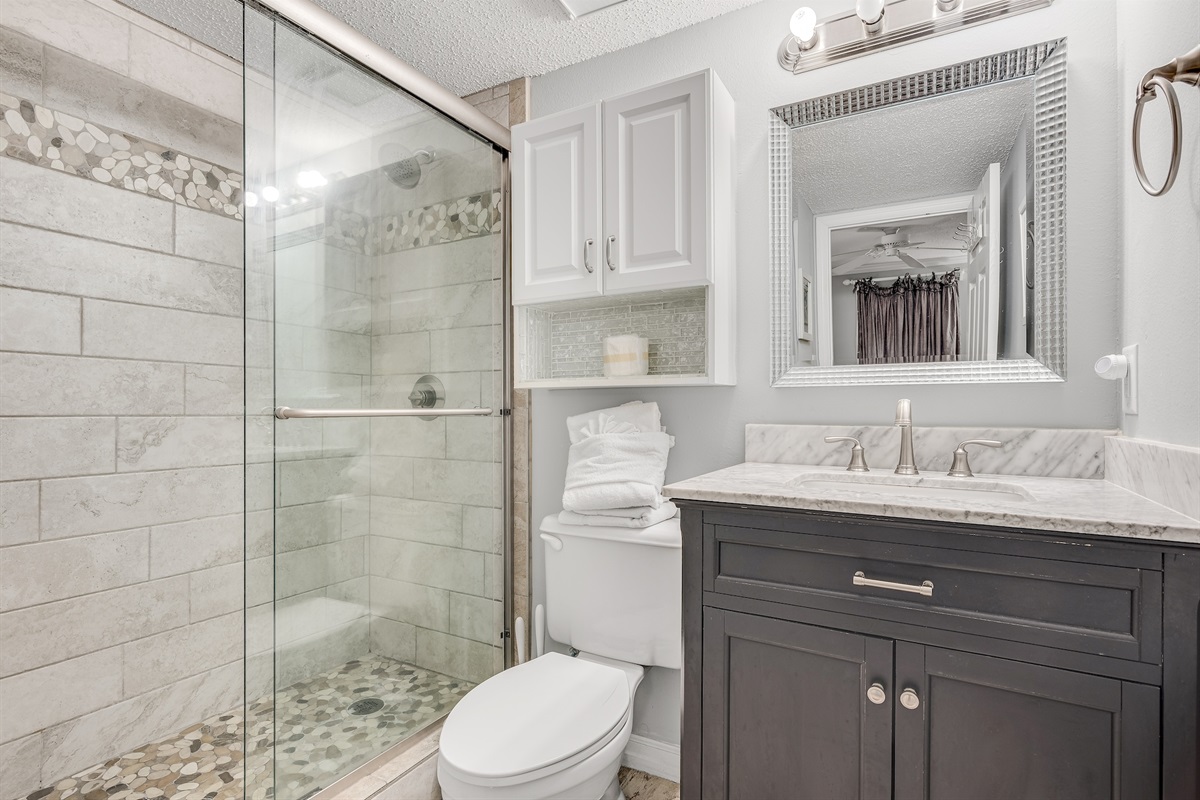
(534, 715)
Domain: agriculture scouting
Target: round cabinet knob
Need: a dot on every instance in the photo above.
(876, 694)
(909, 699)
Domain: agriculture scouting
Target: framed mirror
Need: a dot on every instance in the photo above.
(918, 227)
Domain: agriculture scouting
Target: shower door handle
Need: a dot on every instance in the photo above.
(608, 243)
(587, 255)
(283, 412)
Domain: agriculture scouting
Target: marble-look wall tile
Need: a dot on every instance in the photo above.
(429, 565)
(306, 525)
(119, 728)
(146, 443)
(416, 520)
(50, 262)
(213, 238)
(419, 783)
(19, 512)
(50, 447)
(79, 506)
(452, 655)
(315, 479)
(453, 306)
(469, 482)
(75, 26)
(197, 544)
(482, 529)
(43, 634)
(413, 438)
(120, 330)
(166, 66)
(479, 439)
(1057, 453)
(62, 385)
(212, 389)
(34, 195)
(20, 65)
(400, 353)
(413, 603)
(42, 572)
(468, 261)
(464, 349)
(37, 322)
(43, 697)
(475, 618)
(216, 591)
(155, 661)
(301, 571)
(21, 766)
(393, 639)
(1167, 474)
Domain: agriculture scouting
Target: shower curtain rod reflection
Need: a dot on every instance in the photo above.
(284, 412)
(340, 36)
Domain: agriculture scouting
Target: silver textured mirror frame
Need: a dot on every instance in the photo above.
(1046, 63)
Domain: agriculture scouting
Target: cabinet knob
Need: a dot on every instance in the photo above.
(876, 694)
(909, 699)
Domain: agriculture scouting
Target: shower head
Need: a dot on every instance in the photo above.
(406, 172)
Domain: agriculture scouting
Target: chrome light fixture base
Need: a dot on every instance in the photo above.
(904, 21)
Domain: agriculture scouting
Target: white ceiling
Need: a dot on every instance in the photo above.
(467, 45)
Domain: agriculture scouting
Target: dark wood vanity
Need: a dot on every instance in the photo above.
(992, 664)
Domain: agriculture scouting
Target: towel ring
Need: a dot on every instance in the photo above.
(1150, 90)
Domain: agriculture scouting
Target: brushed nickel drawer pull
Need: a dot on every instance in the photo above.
(926, 587)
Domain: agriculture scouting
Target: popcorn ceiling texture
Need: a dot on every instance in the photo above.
(471, 44)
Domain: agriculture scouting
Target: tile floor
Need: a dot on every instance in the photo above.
(318, 739)
(637, 785)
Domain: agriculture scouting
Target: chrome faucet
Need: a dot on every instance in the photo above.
(906, 466)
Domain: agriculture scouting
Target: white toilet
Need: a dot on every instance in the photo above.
(556, 726)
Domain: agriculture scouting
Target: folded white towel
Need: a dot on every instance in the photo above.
(616, 470)
(621, 517)
(643, 416)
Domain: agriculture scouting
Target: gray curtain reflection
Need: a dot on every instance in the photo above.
(914, 320)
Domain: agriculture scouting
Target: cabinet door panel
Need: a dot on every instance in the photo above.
(556, 207)
(656, 187)
(991, 729)
(786, 712)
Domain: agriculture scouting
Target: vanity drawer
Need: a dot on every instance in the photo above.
(1102, 609)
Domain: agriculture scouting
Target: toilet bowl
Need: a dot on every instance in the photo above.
(555, 727)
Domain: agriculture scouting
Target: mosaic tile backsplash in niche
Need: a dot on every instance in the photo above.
(49, 138)
(570, 336)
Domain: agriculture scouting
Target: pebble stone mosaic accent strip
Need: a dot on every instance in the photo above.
(319, 740)
(48, 138)
(450, 221)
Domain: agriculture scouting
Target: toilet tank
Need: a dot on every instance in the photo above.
(616, 592)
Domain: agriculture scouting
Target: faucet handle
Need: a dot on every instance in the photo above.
(858, 456)
(961, 467)
(903, 412)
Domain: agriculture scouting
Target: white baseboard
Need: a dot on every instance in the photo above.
(650, 755)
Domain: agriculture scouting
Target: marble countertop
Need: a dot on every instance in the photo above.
(1066, 505)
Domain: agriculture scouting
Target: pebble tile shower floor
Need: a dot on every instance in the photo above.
(318, 739)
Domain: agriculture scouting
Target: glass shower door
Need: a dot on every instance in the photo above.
(376, 246)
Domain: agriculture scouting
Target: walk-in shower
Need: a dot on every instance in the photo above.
(255, 513)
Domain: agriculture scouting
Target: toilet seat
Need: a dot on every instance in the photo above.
(536, 719)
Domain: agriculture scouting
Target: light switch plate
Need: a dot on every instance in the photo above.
(1129, 386)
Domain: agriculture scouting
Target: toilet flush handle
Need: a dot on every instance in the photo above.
(553, 541)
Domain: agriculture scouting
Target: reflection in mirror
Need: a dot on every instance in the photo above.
(915, 210)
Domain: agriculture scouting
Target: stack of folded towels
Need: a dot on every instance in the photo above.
(616, 468)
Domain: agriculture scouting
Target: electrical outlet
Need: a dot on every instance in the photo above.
(1129, 385)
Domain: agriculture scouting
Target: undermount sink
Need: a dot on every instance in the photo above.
(913, 488)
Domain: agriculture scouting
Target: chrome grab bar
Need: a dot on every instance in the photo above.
(283, 412)
(1185, 69)
(926, 587)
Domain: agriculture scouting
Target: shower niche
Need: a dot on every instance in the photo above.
(622, 225)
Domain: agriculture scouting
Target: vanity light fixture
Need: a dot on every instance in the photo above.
(876, 25)
(804, 27)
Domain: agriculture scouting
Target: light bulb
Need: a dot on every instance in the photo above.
(870, 11)
(310, 179)
(270, 194)
(804, 24)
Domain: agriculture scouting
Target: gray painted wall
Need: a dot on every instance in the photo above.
(708, 422)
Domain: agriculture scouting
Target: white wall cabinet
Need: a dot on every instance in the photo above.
(629, 198)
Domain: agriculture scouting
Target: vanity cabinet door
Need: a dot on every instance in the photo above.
(786, 711)
(991, 729)
(656, 187)
(556, 207)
